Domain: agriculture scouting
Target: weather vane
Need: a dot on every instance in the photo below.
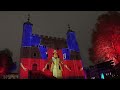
(28, 17)
(68, 26)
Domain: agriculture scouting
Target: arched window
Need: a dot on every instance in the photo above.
(64, 56)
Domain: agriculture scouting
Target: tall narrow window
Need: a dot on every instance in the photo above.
(35, 54)
(64, 56)
(46, 54)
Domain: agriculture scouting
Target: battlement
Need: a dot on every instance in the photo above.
(36, 35)
(53, 42)
(52, 38)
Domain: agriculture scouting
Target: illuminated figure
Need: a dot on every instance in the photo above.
(56, 66)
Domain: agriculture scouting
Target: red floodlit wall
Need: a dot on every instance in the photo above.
(28, 63)
(23, 73)
(78, 68)
(47, 72)
(66, 72)
(75, 66)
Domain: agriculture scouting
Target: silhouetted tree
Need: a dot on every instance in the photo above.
(6, 61)
(106, 38)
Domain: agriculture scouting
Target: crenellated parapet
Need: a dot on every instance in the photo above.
(52, 38)
(53, 42)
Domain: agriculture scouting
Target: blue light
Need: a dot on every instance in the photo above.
(102, 76)
(72, 42)
(27, 32)
(66, 52)
(43, 52)
(35, 40)
(28, 38)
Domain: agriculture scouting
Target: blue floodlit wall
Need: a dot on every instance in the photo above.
(28, 38)
(35, 40)
(27, 32)
(72, 42)
(43, 51)
(67, 53)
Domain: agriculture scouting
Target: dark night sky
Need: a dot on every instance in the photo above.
(51, 23)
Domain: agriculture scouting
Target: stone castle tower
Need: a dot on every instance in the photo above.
(37, 52)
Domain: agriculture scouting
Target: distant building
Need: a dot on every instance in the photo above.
(117, 71)
(11, 76)
(6, 63)
(49, 57)
(105, 70)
